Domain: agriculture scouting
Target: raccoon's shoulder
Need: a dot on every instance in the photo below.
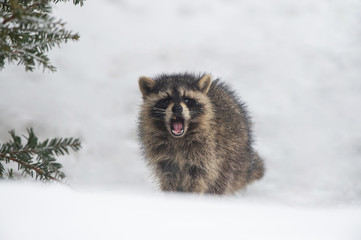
(226, 102)
(221, 93)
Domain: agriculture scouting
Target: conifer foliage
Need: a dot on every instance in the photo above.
(28, 32)
(35, 158)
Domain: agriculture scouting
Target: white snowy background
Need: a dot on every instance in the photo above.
(297, 65)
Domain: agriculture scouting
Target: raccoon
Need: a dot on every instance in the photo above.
(196, 135)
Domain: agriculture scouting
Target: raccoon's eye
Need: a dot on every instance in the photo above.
(164, 103)
(190, 102)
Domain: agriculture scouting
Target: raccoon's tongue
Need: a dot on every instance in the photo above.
(177, 126)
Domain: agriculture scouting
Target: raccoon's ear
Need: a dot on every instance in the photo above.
(204, 83)
(146, 85)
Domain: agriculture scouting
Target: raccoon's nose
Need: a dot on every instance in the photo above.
(177, 108)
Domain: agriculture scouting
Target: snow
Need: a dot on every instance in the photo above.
(61, 213)
(295, 63)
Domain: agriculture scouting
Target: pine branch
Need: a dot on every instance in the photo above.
(35, 156)
(28, 32)
(38, 170)
(29, 8)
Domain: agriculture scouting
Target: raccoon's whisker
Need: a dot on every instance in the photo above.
(158, 109)
(158, 114)
(196, 112)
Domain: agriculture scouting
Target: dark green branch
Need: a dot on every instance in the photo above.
(28, 32)
(37, 156)
(38, 170)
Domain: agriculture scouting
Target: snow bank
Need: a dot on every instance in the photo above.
(38, 212)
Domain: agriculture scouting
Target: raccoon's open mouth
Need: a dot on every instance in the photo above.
(177, 126)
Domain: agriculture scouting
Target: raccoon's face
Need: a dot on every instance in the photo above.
(175, 108)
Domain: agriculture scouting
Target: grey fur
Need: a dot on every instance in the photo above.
(196, 135)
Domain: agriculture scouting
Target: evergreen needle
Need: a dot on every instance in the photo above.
(35, 156)
(28, 32)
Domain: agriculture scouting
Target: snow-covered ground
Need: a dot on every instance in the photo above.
(297, 64)
(60, 214)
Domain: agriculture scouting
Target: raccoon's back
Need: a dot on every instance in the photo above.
(233, 137)
(231, 117)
